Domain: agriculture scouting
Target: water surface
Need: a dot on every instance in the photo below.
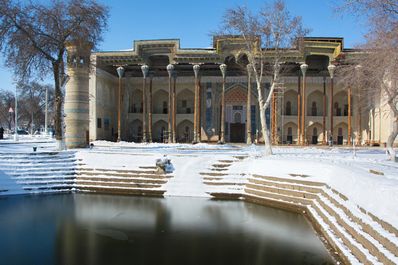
(103, 229)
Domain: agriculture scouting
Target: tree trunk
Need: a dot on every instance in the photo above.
(391, 139)
(58, 107)
(263, 120)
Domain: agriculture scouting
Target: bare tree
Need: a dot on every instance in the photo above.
(32, 106)
(267, 36)
(7, 101)
(378, 60)
(33, 37)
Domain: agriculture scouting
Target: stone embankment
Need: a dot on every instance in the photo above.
(354, 235)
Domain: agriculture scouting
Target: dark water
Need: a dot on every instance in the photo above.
(101, 229)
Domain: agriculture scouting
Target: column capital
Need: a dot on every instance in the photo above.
(196, 68)
(145, 70)
(304, 68)
(170, 69)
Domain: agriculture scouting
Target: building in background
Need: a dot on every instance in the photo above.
(177, 96)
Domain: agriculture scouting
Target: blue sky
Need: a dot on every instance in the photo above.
(193, 21)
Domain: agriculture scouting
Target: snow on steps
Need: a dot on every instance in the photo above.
(357, 236)
(145, 181)
(37, 172)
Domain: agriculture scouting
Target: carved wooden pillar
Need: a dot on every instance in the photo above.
(331, 69)
(199, 110)
(273, 119)
(120, 71)
(196, 69)
(223, 69)
(150, 109)
(324, 112)
(299, 110)
(170, 70)
(303, 68)
(248, 106)
(349, 116)
(174, 119)
(145, 69)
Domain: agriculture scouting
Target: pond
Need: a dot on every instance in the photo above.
(107, 229)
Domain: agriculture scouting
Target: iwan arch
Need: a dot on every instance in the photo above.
(166, 93)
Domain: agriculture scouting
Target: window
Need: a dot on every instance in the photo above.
(315, 131)
(106, 124)
(165, 107)
(314, 109)
(237, 107)
(289, 131)
(184, 103)
(237, 118)
(99, 123)
(288, 110)
(346, 110)
(340, 132)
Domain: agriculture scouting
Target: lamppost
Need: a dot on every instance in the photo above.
(145, 70)
(11, 111)
(170, 70)
(331, 69)
(223, 69)
(196, 124)
(303, 68)
(16, 115)
(120, 72)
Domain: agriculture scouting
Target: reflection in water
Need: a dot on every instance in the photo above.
(103, 229)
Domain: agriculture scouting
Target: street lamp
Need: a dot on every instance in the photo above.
(303, 68)
(145, 70)
(331, 69)
(11, 111)
(223, 69)
(16, 115)
(120, 72)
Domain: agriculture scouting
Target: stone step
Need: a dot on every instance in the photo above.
(362, 254)
(48, 170)
(383, 236)
(121, 180)
(368, 242)
(126, 171)
(48, 187)
(218, 169)
(284, 185)
(37, 165)
(212, 174)
(337, 245)
(117, 174)
(222, 183)
(276, 196)
(80, 183)
(288, 192)
(293, 181)
(226, 161)
(45, 182)
(221, 165)
(38, 174)
(36, 162)
(122, 191)
(37, 156)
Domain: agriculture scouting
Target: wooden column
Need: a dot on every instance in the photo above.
(324, 112)
(304, 68)
(144, 139)
(174, 120)
(299, 111)
(144, 69)
(196, 69)
(349, 116)
(223, 69)
(120, 71)
(150, 110)
(199, 111)
(331, 69)
(331, 110)
(170, 70)
(248, 106)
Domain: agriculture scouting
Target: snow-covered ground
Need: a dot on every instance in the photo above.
(367, 178)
